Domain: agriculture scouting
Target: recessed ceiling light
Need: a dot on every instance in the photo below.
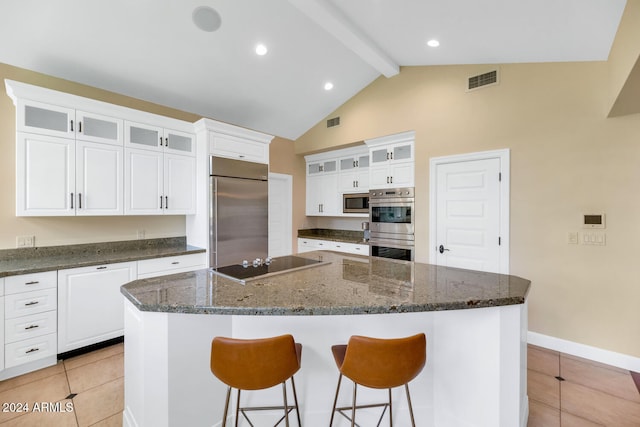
(328, 86)
(261, 49)
(206, 18)
(433, 43)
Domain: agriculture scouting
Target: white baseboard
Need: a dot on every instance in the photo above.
(595, 354)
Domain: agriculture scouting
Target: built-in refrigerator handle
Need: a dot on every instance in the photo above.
(213, 241)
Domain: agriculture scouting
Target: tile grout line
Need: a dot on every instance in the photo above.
(75, 412)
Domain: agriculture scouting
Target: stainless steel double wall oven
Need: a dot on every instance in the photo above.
(391, 223)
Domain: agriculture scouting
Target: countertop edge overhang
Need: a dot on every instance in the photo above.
(368, 304)
(36, 260)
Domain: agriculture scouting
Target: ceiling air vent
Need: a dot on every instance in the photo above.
(333, 122)
(481, 80)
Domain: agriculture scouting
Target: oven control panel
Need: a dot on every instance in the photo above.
(394, 192)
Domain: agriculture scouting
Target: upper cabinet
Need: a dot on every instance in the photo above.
(354, 171)
(74, 156)
(148, 137)
(45, 119)
(233, 142)
(392, 161)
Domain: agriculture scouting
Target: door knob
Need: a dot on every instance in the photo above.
(441, 249)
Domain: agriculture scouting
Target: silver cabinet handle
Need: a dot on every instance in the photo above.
(31, 327)
(101, 268)
(166, 202)
(34, 282)
(161, 203)
(71, 198)
(79, 200)
(71, 125)
(32, 350)
(175, 262)
(31, 303)
(79, 127)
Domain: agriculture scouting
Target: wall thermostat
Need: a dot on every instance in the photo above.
(593, 220)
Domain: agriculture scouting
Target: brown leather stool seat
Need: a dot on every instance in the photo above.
(379, 363)
(256, 364)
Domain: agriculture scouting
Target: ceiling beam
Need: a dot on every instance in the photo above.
(337, 24)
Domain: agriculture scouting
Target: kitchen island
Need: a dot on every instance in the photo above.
(475, 324)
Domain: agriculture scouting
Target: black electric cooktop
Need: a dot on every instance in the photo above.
(285, 264)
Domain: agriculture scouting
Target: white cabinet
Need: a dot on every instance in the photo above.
(46, 119)
(307, 245)
(354, 173)
(30, 318)
(233, 142)
(1, 322)
(158, 183)
(322, 187)
(149, 137)
(90, 305)
(99, 178)
(392, 161)
(45, 175)
(62, 177)
(71, 159)
(322, 195)
(170, 265)
(238, 148)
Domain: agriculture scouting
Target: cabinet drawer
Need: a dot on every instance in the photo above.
(26, 303)
(30, 282)
(34, 325)
(28, 350)
(352, 248)
(168, 265)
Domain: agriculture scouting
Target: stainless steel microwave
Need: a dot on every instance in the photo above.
(355, 203)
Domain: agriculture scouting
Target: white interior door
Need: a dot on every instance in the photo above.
(280, 214)
(469, 214)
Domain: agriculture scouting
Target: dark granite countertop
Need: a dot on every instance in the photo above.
(47, 258)
(346, 285)
(346, 236)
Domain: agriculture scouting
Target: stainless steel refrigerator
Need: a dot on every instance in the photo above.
(238, 217)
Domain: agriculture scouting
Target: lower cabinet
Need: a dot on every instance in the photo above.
(308, 245)
(90, 305)
(170, 265)
(30, 322)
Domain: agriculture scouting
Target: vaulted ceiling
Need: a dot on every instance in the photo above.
(152, 49)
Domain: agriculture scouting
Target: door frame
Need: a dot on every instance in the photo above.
(504, 156)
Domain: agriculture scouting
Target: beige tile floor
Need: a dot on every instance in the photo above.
(97, 379)
(591, 394)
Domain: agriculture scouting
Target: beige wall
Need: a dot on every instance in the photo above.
(51, 231)
(283, 159)
(567, 158)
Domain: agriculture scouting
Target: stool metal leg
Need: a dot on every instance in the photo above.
(335, 401)
(390, 411)
(226, 407)
(413, 422)
(353, 405)
(238, 408)
(295, 399)
(286, 408)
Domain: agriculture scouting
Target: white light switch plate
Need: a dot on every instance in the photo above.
(594, 238)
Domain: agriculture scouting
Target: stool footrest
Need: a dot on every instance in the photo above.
(372, 405)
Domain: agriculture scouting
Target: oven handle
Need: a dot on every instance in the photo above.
(391, 244)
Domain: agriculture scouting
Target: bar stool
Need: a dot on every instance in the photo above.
(256, 364)
(379, 363)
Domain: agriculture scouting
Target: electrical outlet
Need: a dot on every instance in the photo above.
(141, 234)
(572, 237)
(25, 241)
